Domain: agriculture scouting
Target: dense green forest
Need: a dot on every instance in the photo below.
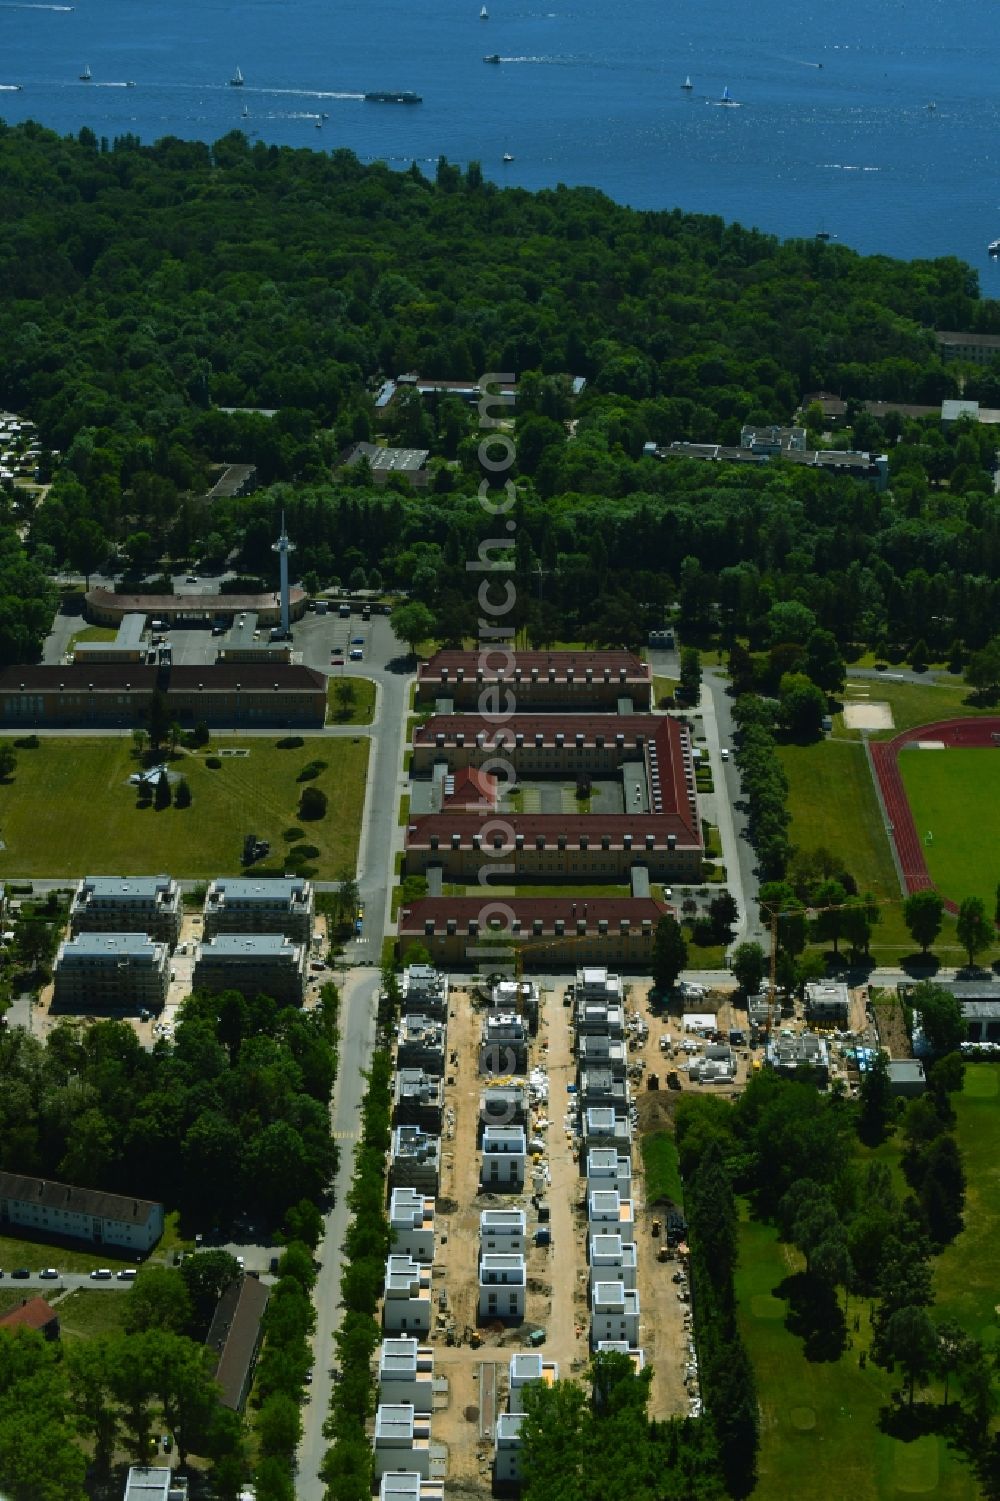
(231, 1117)
(144, 288)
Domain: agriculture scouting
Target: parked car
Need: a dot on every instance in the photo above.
(356, 654)
(49, 1273)
(127, 1274)
(101, 1274)
(337, 659)
(357, 640)
(21, 1273)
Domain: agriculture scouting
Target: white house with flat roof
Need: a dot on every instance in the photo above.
(527, 1366)
(614, 1313)
(828, 1003)
(411, 1224)
(505, 1154)
(607, 1168)
(594, 983)
(111, 971)
(503, 1047)
(609, 1214)
(155, 1483)
(503, 1231)
(415, 1159)
(406, 1307)
(613, 1260)
(424, 991)
(604, 1126)
(409, 1485)
(507, 1449)
(406, 1372)
(262, 904)
(127, 904)
(603, 1052)
(599, 1018)
(254, 964)
(402, 1440)
(420, 1043)
(502, 1285)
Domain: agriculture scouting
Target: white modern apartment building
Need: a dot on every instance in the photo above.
(411, 1224)
(502, 1231)
(505, 1156)
(502, 1287)
(526, 1367)
(402, 1440)
(613, 1260)
(614, 1314)
(406, 1373)
(406, 1308)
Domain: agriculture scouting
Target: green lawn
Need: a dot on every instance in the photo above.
(35, 1254)
(14, 1296)
(659, 1162)
(966, 1281)
(69, 809)
(86, 1313)
(92, 633)
(819, 1420)
(360, 710)
(833, 804)
(955, 795)
(911, 704)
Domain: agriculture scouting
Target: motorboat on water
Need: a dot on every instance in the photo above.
(492, 57)
(507, 157)
(236, 82)
(994, 247)
(393, 96)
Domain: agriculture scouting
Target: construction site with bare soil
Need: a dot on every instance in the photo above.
(542, 1248)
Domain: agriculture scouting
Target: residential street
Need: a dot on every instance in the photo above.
(380, 837)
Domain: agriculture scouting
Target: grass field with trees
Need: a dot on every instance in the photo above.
(955, 796)
(966, 1283)
(69, 809)
(819, 1427)
(831, 798)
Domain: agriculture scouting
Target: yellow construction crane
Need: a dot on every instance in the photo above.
(808, 913)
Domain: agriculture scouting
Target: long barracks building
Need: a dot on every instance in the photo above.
(660, 832)
(105, 693)
(551, 932)
(548, 680)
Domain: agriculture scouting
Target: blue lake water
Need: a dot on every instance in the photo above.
(834, 129)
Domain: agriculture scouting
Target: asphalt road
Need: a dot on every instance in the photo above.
(380, 838)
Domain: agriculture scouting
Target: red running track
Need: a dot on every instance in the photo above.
(963, 733)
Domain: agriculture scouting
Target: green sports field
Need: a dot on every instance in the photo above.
(955, 797)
